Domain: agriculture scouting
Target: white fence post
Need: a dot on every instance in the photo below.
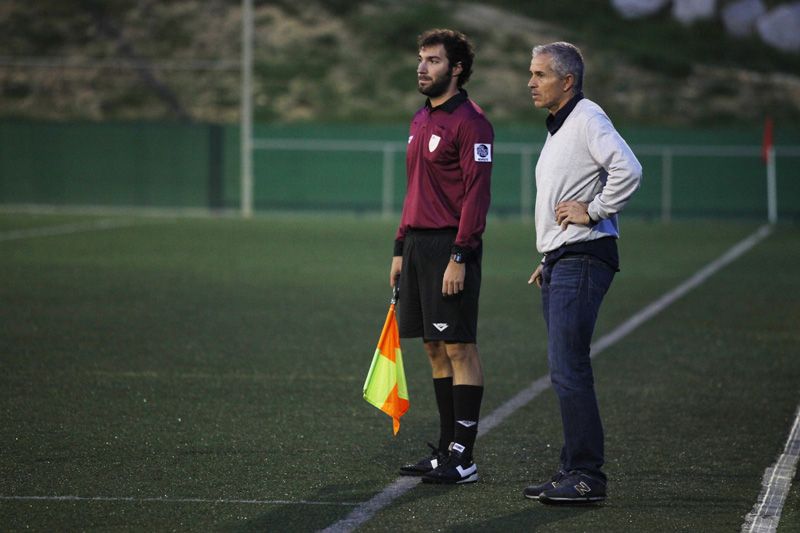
(246, 119)
(526, 186)
(666, 185)
(388, 181)
(772, 187)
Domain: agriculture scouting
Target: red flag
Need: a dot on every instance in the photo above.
(766, 145)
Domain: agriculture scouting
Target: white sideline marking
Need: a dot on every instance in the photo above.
(367, 510)
(65, 229)
(775, 485)
(401, 485)
(666, 300)
(167, 500)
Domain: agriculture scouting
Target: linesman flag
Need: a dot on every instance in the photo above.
(385, 386)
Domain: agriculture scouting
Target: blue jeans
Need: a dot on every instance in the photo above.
(572, 291)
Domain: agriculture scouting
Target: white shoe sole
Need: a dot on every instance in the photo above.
(472, 478)
(557, 501)
(469, 479)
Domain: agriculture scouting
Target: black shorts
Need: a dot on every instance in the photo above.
(422, 311)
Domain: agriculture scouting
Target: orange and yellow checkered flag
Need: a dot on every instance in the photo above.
(385, 386)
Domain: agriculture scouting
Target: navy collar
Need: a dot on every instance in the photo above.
(554, 122)
(450, 105)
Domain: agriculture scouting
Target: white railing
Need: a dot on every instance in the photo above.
(668, 152)
(526, 153)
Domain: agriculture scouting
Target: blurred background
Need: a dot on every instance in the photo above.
(139, 103)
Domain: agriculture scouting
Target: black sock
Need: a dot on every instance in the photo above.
(443, 388)
(467, 407)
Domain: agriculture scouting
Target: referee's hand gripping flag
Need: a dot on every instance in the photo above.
(385, 386)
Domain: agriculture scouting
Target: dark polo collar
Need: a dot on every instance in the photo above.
(554, 122)
(450, 105)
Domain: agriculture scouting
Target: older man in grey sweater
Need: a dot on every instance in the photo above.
(585, 175)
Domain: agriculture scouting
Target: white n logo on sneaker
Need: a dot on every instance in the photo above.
(583, 488)
(464, 472)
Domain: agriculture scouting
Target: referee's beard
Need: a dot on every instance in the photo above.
(437, 87)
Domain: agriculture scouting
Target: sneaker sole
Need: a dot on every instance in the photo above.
(435, 481)
(567, 501)
(543, 487)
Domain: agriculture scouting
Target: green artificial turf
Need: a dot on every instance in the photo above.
(155, 368)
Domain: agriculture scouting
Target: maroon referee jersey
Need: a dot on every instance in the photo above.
(449, 167)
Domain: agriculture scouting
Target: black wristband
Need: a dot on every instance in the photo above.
(465, 254)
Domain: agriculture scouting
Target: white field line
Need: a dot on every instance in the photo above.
(401, 485)
(64, 229)
(103, 210)
(775, 486)
(166, 500)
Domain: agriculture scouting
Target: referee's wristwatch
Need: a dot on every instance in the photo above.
(457, 257)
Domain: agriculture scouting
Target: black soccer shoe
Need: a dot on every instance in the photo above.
(576, 487)
(533, 491)
(457, 469)
(425, 465)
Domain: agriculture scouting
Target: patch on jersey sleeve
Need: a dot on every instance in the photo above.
(483, 153)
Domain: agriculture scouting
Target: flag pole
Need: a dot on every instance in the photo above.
(246, 115)
(768, 155)
(772, 188)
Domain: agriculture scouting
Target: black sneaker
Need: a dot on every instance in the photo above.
(533, 491)
(575, 488)
(425, 465)
(456, 470)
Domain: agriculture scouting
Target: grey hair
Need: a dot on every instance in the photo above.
(567, 59)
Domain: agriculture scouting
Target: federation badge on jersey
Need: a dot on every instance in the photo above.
(433, 142)
(483, 153)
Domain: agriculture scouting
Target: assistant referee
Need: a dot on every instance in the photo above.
(437, 252)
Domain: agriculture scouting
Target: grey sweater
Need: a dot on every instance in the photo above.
(587, 161)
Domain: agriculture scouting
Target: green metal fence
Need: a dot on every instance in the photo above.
(110, 164)
(358, 168)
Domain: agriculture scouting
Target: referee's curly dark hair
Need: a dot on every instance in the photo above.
(457, 46)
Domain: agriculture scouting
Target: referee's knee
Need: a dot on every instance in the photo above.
(462, 352)
(435, 350)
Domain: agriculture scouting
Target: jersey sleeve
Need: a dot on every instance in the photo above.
(402, 228)
(476, 153)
